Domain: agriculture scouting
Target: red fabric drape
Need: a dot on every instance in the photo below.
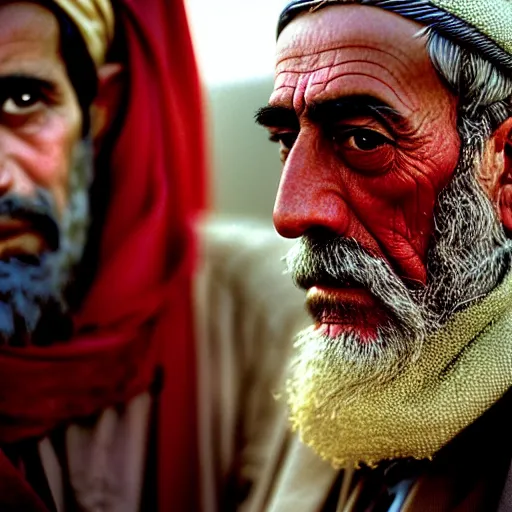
(138, 311)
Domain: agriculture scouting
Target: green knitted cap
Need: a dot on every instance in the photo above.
(491, 17)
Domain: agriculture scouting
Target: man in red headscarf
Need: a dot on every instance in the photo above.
(90, 310)
(110, 397)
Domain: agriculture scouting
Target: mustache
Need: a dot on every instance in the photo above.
(325, 259)
(39, 211)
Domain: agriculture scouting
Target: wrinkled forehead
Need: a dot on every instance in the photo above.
(340, 26)
(346, 50)
(481, 26)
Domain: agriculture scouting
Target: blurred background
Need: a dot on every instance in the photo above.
(235, 48)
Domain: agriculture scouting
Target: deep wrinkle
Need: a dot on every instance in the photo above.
(317, 73)
(390, 211)
(339, 65)
(320, 49)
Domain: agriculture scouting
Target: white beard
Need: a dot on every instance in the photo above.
(352, 413)
(352, 400)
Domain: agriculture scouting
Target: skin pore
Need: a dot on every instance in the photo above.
(368, 140)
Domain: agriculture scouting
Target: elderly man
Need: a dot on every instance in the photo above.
(394, 121)
(83, 325)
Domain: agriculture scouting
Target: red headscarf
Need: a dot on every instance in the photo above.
(137, 314)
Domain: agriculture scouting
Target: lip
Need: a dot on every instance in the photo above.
(18, 238)
(356, 296)
(11, 227)
(338, 310)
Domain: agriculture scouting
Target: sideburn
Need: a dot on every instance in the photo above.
(470, 252)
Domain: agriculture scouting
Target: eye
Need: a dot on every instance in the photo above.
(367, 140)
(21, 102)
(365, 150)
(286, 141)
(21, 96)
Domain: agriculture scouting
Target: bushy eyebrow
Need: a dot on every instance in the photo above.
(333, 111)
(10, 82)
(277, 117)
(349, 107)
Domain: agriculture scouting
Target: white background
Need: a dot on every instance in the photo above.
(235, 47)
(235, 39)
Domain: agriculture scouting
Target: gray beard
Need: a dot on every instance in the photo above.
(35, 291)
(469, 256)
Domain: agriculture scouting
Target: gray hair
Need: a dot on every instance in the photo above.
(470, 253)
(484, 90)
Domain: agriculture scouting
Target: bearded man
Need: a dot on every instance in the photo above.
(122, 369)
(94, 281)
(394, 120)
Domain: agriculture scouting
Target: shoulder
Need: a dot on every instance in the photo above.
(246, 256)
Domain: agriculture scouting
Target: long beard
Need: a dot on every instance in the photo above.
(469, 257)
(35, 290)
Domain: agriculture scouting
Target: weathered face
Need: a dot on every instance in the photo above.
(40, 142)
(400, 220)
(368, 140)
(40, 115)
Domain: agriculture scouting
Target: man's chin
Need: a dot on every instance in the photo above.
(333, 373)
(353, 355)
(32, 308)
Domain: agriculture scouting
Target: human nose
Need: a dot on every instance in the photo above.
(309, 194)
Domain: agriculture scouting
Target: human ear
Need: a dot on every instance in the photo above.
(107, 103)
(503, 149)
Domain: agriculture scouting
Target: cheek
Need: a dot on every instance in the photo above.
(412, 180)
(401, 202)
(419, 175)
(48, 158)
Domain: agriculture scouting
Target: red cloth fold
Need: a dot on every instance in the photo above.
(15, 493)
(139, 307)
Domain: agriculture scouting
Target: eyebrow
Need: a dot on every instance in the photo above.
(333, 111)
(336, 110)
(8, 82)
(277, 117)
